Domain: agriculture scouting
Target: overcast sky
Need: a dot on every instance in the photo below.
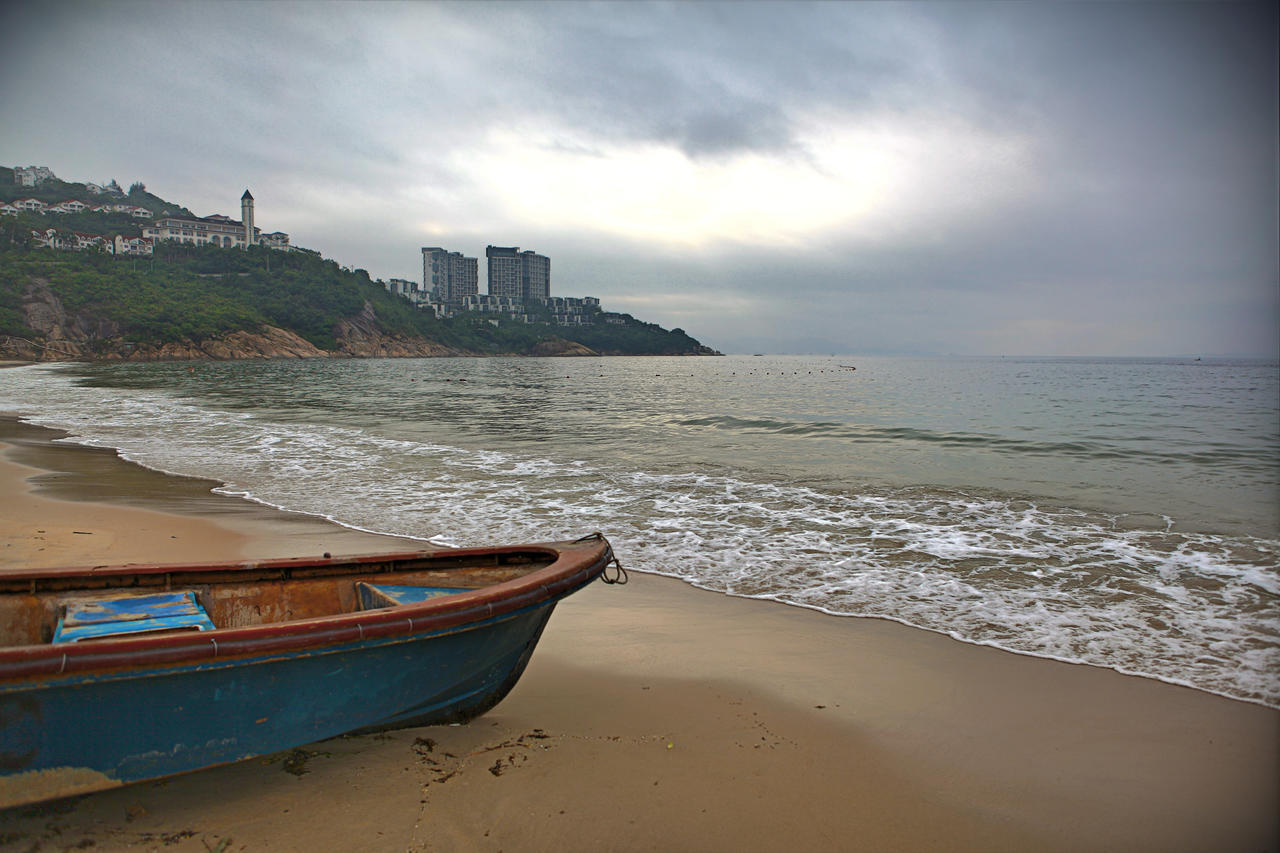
(970, 178)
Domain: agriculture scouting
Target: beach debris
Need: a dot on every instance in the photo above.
(295, 760)
(443, 768)
(535, 734)
(168, 838)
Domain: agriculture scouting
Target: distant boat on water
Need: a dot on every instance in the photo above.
(111, 675)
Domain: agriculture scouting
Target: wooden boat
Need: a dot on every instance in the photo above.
(111, 675)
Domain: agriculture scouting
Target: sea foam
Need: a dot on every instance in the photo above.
(1191, 608)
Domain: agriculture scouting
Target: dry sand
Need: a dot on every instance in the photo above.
(660, 717)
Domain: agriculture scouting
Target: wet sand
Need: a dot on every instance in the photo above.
(660, 717)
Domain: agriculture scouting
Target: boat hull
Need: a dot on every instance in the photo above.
(77, 732)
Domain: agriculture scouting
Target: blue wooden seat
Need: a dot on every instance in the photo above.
(93, 618)
(373, 596)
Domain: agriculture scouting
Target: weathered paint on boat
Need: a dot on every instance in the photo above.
(78, 717)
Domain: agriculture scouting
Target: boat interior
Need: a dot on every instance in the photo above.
(56, 607)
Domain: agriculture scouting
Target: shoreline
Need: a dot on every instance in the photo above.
(658, 716)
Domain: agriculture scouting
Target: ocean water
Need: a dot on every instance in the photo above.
(1116, 512)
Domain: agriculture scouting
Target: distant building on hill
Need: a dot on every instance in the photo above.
(246, 217)
(504, 271)
(71, 205)
(535, 275)
(410, 290)
(217, 230)
(29, 176)
(221, 231)
(519, 275)
(131, 245)
(100, 189)
(449, 276)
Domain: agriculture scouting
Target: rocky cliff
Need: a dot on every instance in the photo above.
(362, 336)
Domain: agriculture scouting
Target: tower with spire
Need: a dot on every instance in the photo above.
(246, 216)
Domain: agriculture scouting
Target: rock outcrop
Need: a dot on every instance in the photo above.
(61, 336)
(559, 346)
(266, 342)
(362, 336)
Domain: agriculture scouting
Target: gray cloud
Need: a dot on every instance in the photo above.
(1140, 217)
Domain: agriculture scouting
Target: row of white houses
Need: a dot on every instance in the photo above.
(35, 205)
(54, 238)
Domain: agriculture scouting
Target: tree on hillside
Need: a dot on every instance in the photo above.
(137, 187)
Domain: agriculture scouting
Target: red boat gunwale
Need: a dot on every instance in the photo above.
(573, 565)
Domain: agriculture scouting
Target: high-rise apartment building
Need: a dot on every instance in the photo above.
(535, 270)
(518, 275)
(504, 272)
(464, 276)
(450, 275)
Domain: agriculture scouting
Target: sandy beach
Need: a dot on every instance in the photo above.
(660, 717)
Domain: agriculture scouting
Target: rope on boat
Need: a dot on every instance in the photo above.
(620, 576)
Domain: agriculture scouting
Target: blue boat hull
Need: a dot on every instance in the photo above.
(97, 730)
(74, 732)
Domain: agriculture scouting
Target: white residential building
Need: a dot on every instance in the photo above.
(451, 276)
(217, 230)
(100, 189)
(89, 241)
(74, 240)
(517, 274)
(29, 205)
(573, 310)
(29, 176)
(140, 212)
(485, 303)
(410, 290)
(199, 231)
(132, 245)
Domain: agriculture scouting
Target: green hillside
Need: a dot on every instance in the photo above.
(51, 192)
(192, 293)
